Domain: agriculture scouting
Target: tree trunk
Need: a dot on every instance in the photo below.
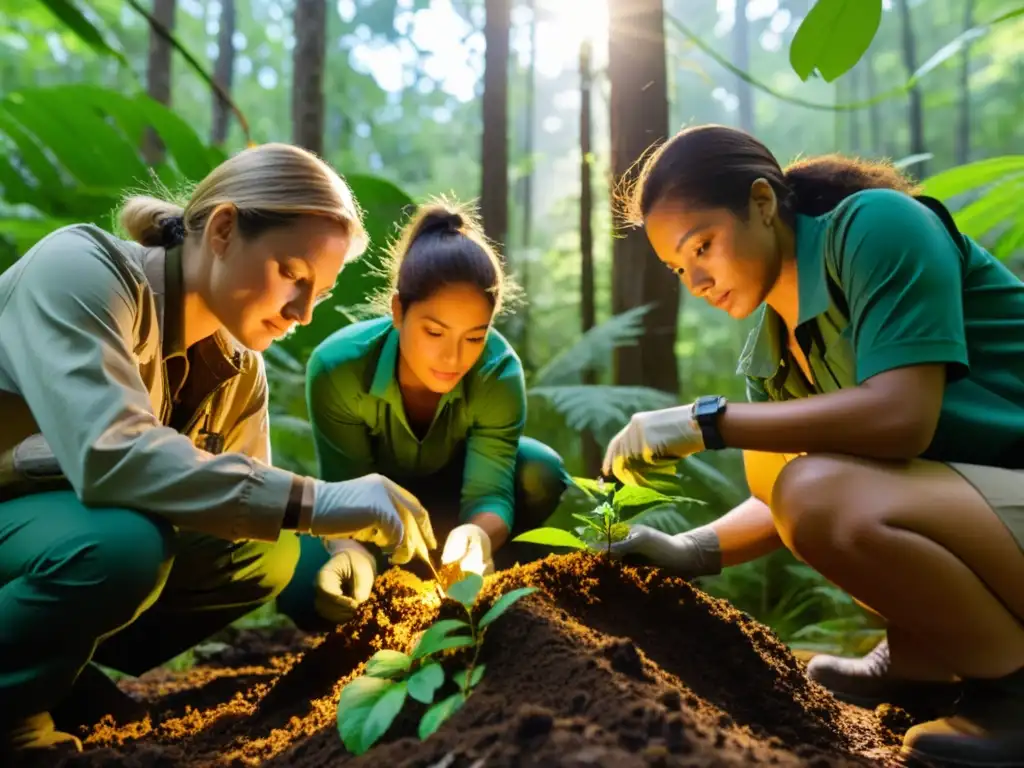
(310, 22)
(223, 73)
(526, 235)
(874, 111)
(158, 75)
(639, 118)
(494, 144)
(589, 448)
(741, 58)
(963, 122)
(854, 115)
(916, 110)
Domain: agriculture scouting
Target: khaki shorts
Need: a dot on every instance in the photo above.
(1003, 489)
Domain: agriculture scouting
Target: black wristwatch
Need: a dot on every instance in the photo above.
(706, 411)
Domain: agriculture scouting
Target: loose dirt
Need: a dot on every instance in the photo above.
(606, 665)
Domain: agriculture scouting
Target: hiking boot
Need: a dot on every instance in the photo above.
(986, 729)
(867, 682)
(35, 738)
(93, 696)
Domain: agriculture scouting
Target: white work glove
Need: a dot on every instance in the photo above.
(650, 435)
(690, 554)
(470, 547)
(345, 580)
(375, 509)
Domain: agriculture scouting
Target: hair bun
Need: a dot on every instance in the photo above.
(442, 222)
(172, 231)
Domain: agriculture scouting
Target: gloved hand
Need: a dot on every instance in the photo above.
(671, 432)
(375, 509)
(470, 547)
(345, 580)
(690, 554)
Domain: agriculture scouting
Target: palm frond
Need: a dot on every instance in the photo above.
(593, 350)
(597, 408)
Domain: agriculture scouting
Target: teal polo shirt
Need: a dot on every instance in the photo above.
(883, 284)
(359, 423)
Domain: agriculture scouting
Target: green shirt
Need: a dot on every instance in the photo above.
(914, 294)
(359, 423)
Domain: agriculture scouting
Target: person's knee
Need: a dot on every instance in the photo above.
(118, 568)
(541, 480)
(807, 505)
(276, 566)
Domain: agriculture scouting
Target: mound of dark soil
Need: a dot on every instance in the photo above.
(606, 665)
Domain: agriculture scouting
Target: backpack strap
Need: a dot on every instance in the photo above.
(940, 210)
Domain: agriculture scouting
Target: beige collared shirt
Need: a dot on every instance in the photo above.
(93, 370)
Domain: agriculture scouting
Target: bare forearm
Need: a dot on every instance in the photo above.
(860, 421)
(746, 532)
(494, 526)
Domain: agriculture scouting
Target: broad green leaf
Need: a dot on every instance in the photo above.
(75, 20)
(435, 716)
(478, 674)
(503, 603)
(435, 635)
(595, 489)
(552, 537)
(466, 589)
(454, 641)
(388, 664)
(357, 700)
(423, 683)
(833, 36)
(383, 714)
(631, 499)
(964, 178)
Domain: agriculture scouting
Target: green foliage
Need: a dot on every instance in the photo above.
(70, 153)
(993, 188)
(605, 523)
(369, 704)
(833, 36)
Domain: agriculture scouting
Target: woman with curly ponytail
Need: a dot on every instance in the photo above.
(139, 510)
(883, 439)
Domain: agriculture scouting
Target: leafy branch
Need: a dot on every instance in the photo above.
(370, 703)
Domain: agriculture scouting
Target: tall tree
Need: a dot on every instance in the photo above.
(158, 74)
(589, 448)
(494, 144)
(914, 106)
(224, 71)
(639, 119)
(963, 118)
(310, 22)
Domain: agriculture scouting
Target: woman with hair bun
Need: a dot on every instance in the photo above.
(883, 439)
(139, 510)
(433, 397)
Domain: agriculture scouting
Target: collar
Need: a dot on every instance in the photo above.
(762, 354)
(164, 271)
(385, 378)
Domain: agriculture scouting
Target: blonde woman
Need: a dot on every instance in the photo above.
(139, 511)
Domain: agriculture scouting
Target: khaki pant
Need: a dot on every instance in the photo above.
(1003, 489)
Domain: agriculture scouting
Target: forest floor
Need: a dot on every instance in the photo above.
(605, 665)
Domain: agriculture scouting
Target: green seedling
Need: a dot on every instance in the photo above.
(370, 703)
(604, 524)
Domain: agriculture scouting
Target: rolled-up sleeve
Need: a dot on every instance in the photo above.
(67, 343)
(499, 417)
